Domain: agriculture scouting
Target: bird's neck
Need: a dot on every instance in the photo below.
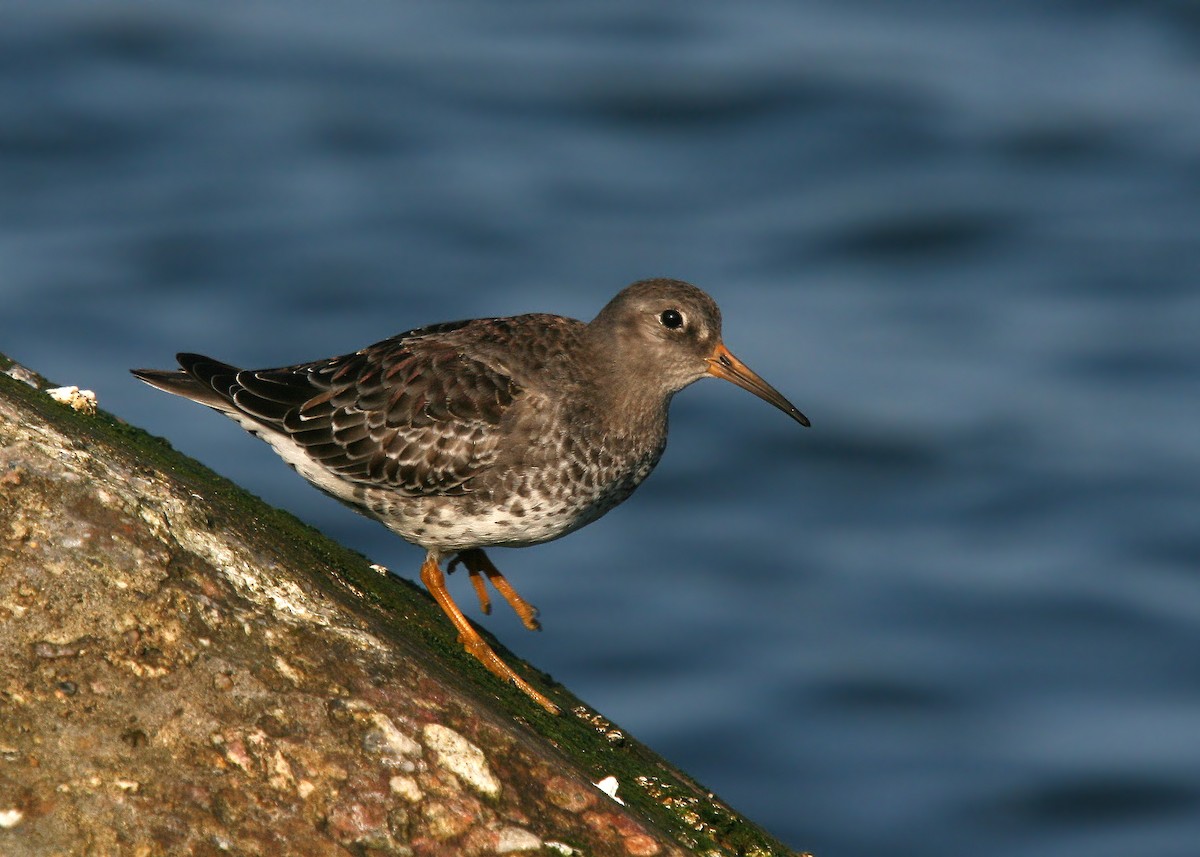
(625, 399)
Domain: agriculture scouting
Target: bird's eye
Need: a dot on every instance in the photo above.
(672, 319)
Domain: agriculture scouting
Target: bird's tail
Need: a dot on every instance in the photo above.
(201, 379)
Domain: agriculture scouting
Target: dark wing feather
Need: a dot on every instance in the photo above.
(412, 413)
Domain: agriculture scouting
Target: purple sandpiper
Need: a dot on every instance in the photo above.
(495, 431)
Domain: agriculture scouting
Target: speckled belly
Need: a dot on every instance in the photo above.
(528, 508)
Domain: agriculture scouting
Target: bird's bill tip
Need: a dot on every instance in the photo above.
(722, 364)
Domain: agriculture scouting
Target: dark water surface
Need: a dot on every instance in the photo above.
(961, 615)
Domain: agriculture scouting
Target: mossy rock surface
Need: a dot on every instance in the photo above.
(184, 669)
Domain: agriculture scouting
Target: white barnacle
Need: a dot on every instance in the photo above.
(83, 401)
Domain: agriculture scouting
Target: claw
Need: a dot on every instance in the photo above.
(477, 564)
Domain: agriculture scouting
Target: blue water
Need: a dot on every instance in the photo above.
(961, 614)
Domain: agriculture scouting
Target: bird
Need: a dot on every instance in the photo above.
(486, 432)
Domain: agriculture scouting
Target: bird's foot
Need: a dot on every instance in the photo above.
(488, 657)
(435, 582)
(478, 566)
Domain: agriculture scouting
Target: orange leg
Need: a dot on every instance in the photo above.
(485, 601)
(477, 563)
(435, 582)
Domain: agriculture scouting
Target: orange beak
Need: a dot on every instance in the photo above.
(723, 364)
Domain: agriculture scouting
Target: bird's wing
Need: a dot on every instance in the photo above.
(412, 413)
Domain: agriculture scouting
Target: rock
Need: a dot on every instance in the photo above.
(186, 670)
